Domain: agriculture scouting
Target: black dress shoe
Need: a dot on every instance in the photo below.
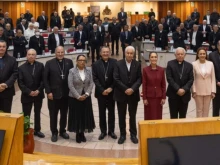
(121, 140)
(39, 134)
(82, 137)
(64, 135)
(78, 138)
(134, 139)
(54, 138)
(112, 134)
(102, 136)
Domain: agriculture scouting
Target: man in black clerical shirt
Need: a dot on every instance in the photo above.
(37, 43)
(30, 81)
(180, 78)
(8, 76)
(103, 78)
(56, 87)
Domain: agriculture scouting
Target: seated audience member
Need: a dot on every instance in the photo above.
(19, 45)
(161, 39)
(37, 43)
(204, 73)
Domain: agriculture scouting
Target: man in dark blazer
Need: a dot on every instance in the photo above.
(80, 38)
(68, 20)
(30, 81)
(154, 24)
(151, 13)
(55, 21)
(214, 37)
(128, 78)
(8, 76)
(101, 29)
(161, 38)
(178, 38)
(174, 22)
(95, 42)
(196, 38)
(55, 39)
(195, 16)
(126, 39)
(9, 34)
(180, 78)
(114, 30)
(8, 20)
(37, 43)
(56, 87)
(28, 15)
(214, 17)
(22, 26)
(78, 19)
(19, 45)
(165, 26)
(102, 71)
(122, 17)
(147, 30)
(205, 29)
(42, 20)
(207, 17)
(214, 57)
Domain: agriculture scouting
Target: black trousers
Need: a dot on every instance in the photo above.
(106, 102)
(123, 49)
(114, 40)
(5, 104)
(95, 48)
(178, 108)
(132, 110)
(26, 107)
(55, 106)
(216, 105)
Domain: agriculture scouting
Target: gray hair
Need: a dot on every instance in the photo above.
(180, 48)
(32, 50)
(130, 47)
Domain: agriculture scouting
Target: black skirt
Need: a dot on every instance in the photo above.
(81, 118)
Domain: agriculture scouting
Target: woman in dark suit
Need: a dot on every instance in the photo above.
(154, 89)
(80, 83)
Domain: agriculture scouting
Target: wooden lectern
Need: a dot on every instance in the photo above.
(12, 150)
(174, 128)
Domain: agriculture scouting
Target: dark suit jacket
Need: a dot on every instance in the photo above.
(199, 39)
(102, 33)
(10, 33)
(214, 57)
(52, 80)
(153, 87)
(28, 82)
(9, 20)
(8, 75)
(37, 44)
(95, 40)
(161, 39)
(78, 20)
(52, 44)
(154, 25)
(174, 81)
(125, 40)
(55, 21)
(28, 17)
(120, 17)
(207, 29)
(77, 39)
(114, 30)
(122, 82)
(20, 46)
(19, 26)
(147, 30)
(213, 39)
(136, 34)
(188, 24)
(214, 16)
(98, 73)
(195, 16)
(178, 39)
(205, 18)
(42, 22)
(174, 22)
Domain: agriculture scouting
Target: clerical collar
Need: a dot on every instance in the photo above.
(60, 60)
(105, 61)
(180, 62)
(30, 63)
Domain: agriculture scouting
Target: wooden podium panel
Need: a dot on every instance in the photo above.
(174, 128)
(12, 150)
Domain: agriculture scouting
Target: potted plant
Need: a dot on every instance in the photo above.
(28, 136)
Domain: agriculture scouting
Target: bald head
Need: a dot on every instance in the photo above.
(31, 55)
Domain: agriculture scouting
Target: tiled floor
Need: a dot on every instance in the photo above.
(93, 147)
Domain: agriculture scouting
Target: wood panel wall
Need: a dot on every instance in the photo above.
(15, 8)
(183, 9)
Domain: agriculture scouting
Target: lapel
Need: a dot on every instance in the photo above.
(101, 68)
(198, 68)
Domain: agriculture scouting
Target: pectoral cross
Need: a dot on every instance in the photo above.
(62, 76)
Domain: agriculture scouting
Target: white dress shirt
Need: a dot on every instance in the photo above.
(203, 68)
(82, 74)
(204, 27)
(194, 38)
(57, 39)
(208, 19)
(128, 65)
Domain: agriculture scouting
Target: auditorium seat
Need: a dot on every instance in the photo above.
(44, 34)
